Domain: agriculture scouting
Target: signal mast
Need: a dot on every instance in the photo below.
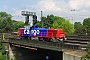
(27, 14)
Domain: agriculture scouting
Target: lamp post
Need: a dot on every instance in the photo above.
(72, 22)
(73, 18)
(41, 19)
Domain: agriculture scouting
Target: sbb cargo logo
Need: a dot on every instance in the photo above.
(35, 32)
(26, 31)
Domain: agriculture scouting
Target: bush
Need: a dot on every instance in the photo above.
(87, 56)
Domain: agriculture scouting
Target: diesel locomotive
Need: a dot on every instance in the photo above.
(43, 34)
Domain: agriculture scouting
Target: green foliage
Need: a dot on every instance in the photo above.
(47, 21)
(86, 23)
(0, 45)
(77, 24)
(82, 28)
(2, 53)
(17, 24)
(88, 48)
(88, 45)
(63, 24)
(2, 57)
(56, 22)
(87, 56)
(38, 24)
(5, 22)
(79, 28)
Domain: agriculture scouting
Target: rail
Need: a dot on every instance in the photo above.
(76, 44)
(46, 45)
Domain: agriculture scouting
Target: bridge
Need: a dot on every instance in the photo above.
(73, 43)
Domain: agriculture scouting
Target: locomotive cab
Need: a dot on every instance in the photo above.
(55, 34)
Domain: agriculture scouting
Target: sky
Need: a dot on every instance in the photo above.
(68, 9)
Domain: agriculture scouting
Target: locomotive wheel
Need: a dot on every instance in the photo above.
(62, 39)
(25, 38)
(54, 40)
(30, 38)
(48, 39)
(40, 39)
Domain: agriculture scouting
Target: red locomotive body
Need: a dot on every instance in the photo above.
(55, 33)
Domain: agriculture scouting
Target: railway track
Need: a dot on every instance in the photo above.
(8, 35)
(72, 40)
(78, 40)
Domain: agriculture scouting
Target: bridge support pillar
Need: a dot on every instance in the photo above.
(8, 50)
(70, 56)
(11, 54)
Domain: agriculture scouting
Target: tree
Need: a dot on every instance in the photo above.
(2, 53)
(63, 24)
(17, 24)
(6, 24)
(56, 22)
(86, 23)
(47, 21)
(87, 56)
(50, 20)
(38, 24)
(77, 24)
(79, 28)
